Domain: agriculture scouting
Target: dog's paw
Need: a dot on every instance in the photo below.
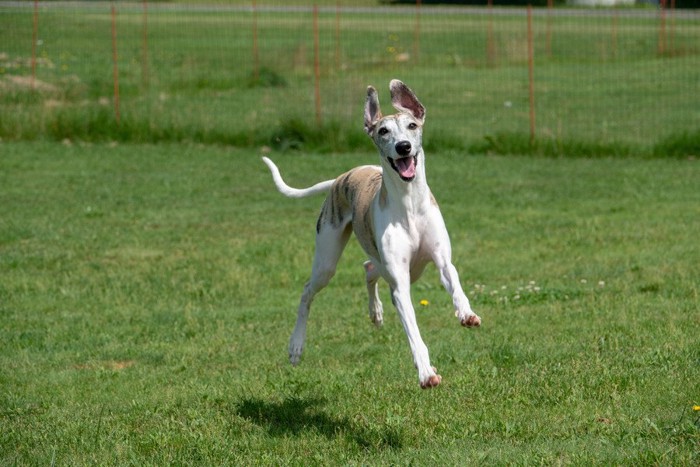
(431, 381)
(376, 314)
(295, 354)
(471, 321)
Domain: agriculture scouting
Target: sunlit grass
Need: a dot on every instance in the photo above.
(147, 293)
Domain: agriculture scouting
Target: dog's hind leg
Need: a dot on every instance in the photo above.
(330, 242)
(375, 304)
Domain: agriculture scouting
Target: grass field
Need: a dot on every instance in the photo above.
(149, 272)
(147, 293)
(602, 86)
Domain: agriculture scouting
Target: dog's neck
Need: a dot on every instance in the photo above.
(413, 195)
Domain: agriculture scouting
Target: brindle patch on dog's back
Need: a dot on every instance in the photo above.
(350, 200)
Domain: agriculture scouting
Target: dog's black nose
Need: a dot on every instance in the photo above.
(403, 148)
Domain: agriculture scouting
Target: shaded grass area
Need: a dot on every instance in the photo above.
(296, 134)
(681, 145)
(147, 294)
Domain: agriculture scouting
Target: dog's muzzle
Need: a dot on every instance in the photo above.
(403, 148)
(405, 165)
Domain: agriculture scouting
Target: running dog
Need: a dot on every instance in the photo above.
(395, 218)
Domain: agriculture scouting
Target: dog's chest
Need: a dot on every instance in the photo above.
(404, 236)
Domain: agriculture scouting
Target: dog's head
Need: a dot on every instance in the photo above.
(398, 136)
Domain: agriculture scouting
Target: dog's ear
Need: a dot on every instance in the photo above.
(403, 100)
(372, 111)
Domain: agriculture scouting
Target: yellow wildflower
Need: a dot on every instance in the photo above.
(424, 302)
(696, 408)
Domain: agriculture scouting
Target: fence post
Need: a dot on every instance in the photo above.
(256, 56)
(550, 8)
(337, 36)
(614, 35)
(144, 52)
(115, 66)
(672, 27)
(490, 44)
(317, 68)
(416, 33)
(35, 38)
(661, 48)
(531, 72)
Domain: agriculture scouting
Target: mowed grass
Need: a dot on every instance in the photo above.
(147, 294)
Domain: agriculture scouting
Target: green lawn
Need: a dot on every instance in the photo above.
(147, 294)
(149, 272)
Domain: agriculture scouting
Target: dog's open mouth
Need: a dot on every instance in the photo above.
(405, 167)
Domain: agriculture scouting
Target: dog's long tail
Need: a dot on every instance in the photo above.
(286, 190)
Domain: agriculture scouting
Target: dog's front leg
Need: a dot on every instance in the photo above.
(463, 310)
(401, 297)
(442, 257)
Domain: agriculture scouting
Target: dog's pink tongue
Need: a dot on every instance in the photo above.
(406, 166)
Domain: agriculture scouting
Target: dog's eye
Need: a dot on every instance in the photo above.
(382, 131)
(412, 126)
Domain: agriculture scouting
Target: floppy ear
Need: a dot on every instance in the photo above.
(403, 100)
(372, 111)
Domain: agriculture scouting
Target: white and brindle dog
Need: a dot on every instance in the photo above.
(395, 218)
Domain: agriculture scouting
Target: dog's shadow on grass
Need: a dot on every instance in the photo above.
(295, 416)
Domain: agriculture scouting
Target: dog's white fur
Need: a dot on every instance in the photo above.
(395, 218)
